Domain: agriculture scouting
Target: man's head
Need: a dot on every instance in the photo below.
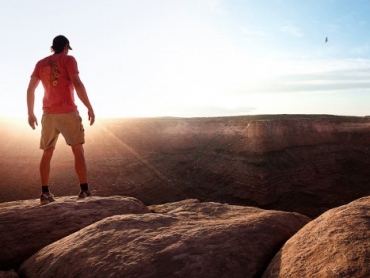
(59, 44)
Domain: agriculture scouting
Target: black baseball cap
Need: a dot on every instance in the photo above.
(59, 42)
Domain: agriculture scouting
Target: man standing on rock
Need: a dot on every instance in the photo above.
(59, 76)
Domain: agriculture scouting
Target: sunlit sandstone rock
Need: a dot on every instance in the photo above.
(184, 239)
(26, 227)
(336, 244)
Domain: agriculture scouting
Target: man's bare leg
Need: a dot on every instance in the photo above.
(46, 197)
(80, 163)
(45, 166)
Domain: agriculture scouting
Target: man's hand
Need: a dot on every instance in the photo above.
(31, 101)
(91, 115)
(82, 95)
(32, 120)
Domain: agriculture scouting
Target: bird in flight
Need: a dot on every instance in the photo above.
(326, 39)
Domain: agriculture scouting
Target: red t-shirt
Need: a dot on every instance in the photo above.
(54, 72)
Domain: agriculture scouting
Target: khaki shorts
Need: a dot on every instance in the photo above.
(69, 125)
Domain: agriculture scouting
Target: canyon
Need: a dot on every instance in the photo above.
(248, 196)
(301, 163)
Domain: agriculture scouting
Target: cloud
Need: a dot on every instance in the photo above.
(330, 81)
(213, 5)
(212, 111)
(249, 32)
(362, 22)
(292, 30)
(360, 50)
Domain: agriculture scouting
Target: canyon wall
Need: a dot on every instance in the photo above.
(302, 163)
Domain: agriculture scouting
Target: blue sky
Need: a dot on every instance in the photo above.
(196, 57)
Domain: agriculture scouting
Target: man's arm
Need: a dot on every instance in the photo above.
(34, 82)
(82, 95)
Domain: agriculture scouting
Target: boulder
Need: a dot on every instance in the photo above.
(336, 244)
(182, 239)
(8, 274)
(26, 227)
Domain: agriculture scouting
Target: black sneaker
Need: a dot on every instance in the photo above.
(46, 198)
(84, 194)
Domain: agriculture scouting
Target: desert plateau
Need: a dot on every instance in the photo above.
(244, 196)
